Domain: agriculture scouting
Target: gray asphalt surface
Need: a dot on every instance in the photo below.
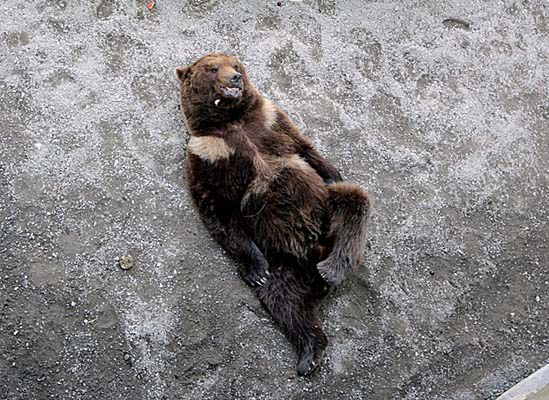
(439, 108)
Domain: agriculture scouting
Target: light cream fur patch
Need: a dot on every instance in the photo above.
(296, 162)
(269, 113)
(209, 148)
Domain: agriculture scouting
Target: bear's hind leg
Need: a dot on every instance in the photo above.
(291, 303)
(348, 210)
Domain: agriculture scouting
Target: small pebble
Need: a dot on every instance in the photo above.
(126, 356)
(126, 262)
(457, 23)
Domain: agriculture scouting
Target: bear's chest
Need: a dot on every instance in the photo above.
(232, 164)
(272, 144)
(241, 148)
(219, 166)
(248, 142)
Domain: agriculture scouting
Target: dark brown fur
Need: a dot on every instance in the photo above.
(270, 198)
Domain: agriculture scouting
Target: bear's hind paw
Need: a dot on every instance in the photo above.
(306, 365)
(334, 271)
(309, 361)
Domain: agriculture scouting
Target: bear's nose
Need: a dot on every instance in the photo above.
(236, 78)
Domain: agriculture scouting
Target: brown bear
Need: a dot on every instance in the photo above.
(269, 198)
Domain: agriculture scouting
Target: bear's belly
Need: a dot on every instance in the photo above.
(286, 212)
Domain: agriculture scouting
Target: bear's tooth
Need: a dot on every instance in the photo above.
(216, 102)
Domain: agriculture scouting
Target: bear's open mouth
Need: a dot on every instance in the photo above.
(230, 91)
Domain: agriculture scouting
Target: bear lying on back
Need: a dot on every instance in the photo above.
(269, 198)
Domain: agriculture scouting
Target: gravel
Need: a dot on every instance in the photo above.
(439, 108)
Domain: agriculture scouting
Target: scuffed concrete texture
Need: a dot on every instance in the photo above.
(534, 387)
(446, 123)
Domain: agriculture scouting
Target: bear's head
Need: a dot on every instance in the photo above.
(215, 87)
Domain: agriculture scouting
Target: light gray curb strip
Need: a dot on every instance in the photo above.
(535, 387)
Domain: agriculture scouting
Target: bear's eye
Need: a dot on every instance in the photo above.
(236, 67)
(213, 69)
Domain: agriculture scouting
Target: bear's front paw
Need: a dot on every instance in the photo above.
(333, 177)
(334, 271)
(251, 205)
(257, 274)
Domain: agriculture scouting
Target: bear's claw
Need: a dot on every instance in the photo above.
(257, 276)
(309, 362)
(333, 271)
(306, 365)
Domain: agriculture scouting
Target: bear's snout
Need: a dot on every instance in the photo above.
(231, 84)
(236, 79)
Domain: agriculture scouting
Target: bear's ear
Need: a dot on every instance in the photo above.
(182, 73)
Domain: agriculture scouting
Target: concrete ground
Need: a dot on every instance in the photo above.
(534, 387)
(439, 108)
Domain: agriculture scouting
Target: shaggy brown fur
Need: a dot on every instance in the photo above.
(270, 198)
